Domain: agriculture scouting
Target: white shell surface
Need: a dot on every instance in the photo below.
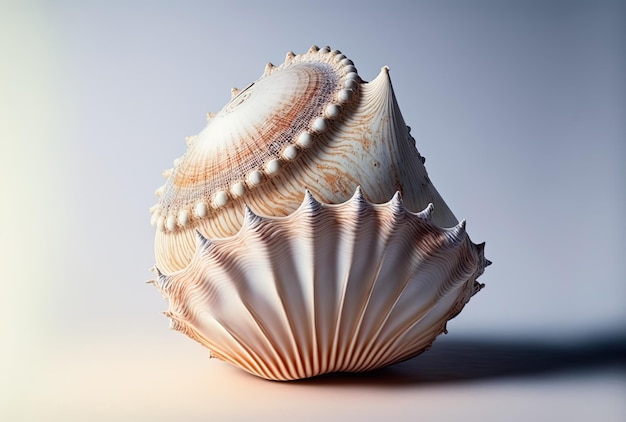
(287, 287)
(348, 287)
(309, 124)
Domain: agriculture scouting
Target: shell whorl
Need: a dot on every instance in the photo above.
(310, 123)
(263, 128)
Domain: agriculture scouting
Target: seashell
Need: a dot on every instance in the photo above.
(300, 233)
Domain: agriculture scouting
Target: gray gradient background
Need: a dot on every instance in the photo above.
(518, 106)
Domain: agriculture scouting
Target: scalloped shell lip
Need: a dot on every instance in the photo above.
(205, 308)
(310, 204)
(193, 189)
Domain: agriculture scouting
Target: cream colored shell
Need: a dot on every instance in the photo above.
(287, 287)
(349, 287)
(311, 123)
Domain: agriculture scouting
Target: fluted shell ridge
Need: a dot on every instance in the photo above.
(329, 288)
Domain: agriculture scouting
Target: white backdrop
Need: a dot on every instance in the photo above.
(518, 107)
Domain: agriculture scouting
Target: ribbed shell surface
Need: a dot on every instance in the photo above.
(309, 124)
(348, 287)
(287, 284)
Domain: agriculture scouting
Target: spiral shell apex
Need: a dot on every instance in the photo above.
(300, 233)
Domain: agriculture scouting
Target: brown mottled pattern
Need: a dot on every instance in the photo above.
(201, 173)
(369, 147)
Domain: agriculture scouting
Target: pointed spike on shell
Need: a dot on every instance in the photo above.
(154, 208)
(488, 263)
(162, 286)
(160, 190)
(167, 173)
(175, 323)
(358, 200)
(396, 199)
(456, 234)
(358, 195)
(234, 92)
(269, 68)
(314, 49)
(426, 213)
(250, 218)
(325, 50)
(290, 56)
(310, 203)
(397, 205)
(201, 241)
(209, 116)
